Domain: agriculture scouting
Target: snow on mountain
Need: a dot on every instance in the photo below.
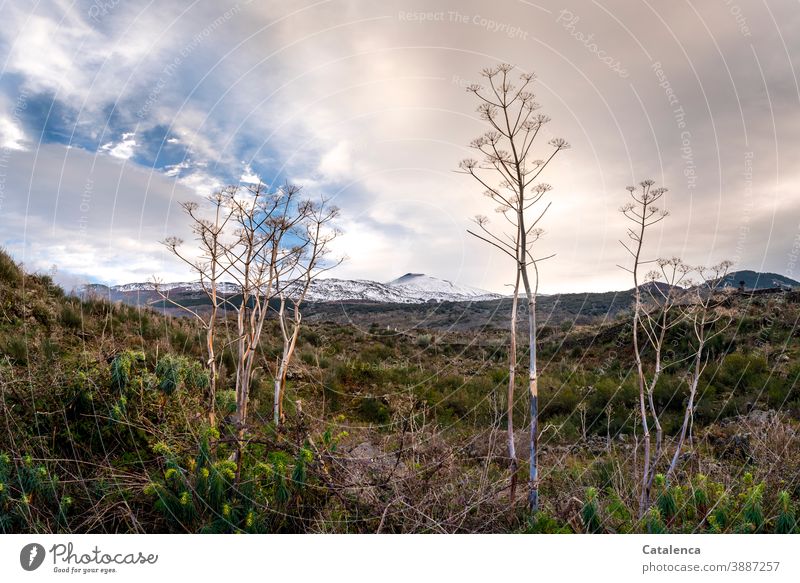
(434, 288)
(412, 288)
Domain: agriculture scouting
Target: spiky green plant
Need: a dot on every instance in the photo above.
(618, 511)
(543, 523)
(169, 372)
(590, 513)
(654, 523)
(300, 471)
(719, 519)
(122, 368)
(700, 498)
(752, 513)
(665, 497)
(786, 521)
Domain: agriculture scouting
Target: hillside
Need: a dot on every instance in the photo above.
(412, 288)
(413, 301)
(104, 428)
(753, 280)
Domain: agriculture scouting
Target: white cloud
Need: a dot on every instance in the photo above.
(123, 149)
(337, 163)
(11, 135)
(248, 176)
(201, 182)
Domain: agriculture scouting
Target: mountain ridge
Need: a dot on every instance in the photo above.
(409, 288)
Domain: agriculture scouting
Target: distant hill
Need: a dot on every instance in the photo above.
(411, 288)
(420, 301)
(758, 280)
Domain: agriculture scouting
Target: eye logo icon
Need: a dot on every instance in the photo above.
(31, 556)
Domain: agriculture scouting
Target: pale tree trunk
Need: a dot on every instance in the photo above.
(644, 499)
(506, 150)
(244, 346)
(512, 370)
(212, 381)
(533, 387)
(689, 413)
(212, 358)
(658, 343)
(289, 344)
(686, 421)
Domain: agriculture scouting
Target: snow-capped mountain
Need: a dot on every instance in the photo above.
(435, 288)
(179, 286)
(411, 288)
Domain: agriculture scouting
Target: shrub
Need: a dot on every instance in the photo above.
(16, 349)
(26, 486)
(590, 513)
(169, 372)
(544, 523)
(374, 410)
(654, 523)
(9, 270)
(667, 498)
(173, 372)
(202, 494)
(122, 368)
(226, 402)
(786, 522)
(752, 509)
(70, 317)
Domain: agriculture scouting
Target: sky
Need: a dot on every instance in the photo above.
(112, 113)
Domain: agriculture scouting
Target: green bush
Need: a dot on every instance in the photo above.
(70, 317)
(122, 368)
(590, 513)
(424, 340)
(10, 272)
(16, 348)
(202, 493)
(30, 497)
(786, 522)
(374, 410)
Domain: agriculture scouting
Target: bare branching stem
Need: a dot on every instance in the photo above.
(507, 172)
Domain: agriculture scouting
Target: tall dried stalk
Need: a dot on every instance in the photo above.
(507, 171)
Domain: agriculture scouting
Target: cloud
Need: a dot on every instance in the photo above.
(367, 105)
(123, 149)
(93, 217)
(336, 163)
(11, 134)
(248, 176)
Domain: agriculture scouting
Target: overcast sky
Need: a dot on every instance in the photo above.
(111, 113)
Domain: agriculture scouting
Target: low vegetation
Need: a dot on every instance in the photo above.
(105, 427)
